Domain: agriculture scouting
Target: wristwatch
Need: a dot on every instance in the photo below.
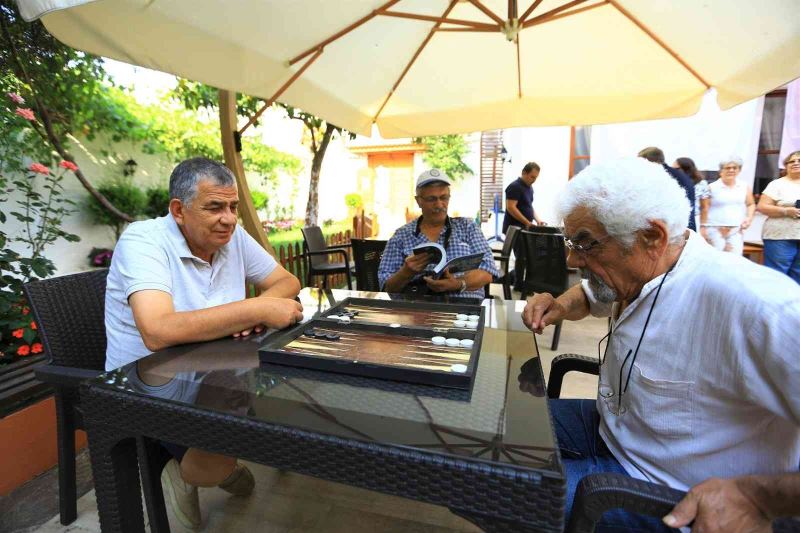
(463, 285)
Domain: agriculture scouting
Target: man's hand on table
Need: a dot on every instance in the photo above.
(542, 310)
(719, 505)
(279, 313)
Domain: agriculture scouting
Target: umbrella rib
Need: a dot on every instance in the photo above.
(280, 91)
(661, 43)
(528, 11)
(489, 13)
(413, 59)
(550, 14)
(519, 72)
(343, 32)
(440, 20)
(557, 16)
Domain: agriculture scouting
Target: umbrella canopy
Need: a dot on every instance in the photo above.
(425, 67)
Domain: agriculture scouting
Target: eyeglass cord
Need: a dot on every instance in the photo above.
(641, 337)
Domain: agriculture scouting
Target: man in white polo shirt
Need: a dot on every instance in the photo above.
(181, 278)
(699, 379)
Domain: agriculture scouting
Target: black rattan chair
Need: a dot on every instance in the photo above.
(504, 257)
(545, 267)
(367, 255)
(70, 314)
(318, 261)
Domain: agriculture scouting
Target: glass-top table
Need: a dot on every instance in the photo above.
(492, 445)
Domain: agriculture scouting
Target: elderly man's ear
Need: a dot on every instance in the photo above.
(655, 239)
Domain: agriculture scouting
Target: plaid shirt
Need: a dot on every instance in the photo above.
(465, 239)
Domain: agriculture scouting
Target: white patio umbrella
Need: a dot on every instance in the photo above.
(423, 67)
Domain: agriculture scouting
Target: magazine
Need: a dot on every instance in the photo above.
(438, 257)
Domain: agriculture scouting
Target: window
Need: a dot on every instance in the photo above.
(769, 143)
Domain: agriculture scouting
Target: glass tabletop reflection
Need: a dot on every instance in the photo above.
(503, 418)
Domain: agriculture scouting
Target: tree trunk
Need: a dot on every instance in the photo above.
(312, 207)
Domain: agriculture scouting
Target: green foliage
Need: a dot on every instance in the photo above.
(70, 86)
(157, 202)
(447, 152)
(353, 200)
(126, 196)
(259, 199)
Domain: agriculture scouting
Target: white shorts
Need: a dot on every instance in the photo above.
(733, 241)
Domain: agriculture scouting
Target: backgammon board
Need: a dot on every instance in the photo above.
(418, 342)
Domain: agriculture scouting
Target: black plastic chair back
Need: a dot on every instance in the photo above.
(70, 316)
(367, 254)
(314, 241)
(545, 263)
(511, 236)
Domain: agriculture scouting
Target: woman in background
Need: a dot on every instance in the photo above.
(700, 184)
(781, 232)
(728, 210)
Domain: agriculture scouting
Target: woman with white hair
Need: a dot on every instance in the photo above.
(728, 210)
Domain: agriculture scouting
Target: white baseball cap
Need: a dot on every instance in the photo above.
(429, 176)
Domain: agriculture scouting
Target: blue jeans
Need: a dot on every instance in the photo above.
(783, 256)
(583, 452)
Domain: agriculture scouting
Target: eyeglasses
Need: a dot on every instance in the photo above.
(731, 167)
(433, 199)
(793, 161)
(584, 249)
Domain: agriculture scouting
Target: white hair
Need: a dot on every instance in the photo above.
(625, 195)
(735, 159)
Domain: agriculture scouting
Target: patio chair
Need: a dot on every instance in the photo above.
(545, 267)
(318, 260)
(504, 258)
(70, 314)
(367, 255)
(598, 493)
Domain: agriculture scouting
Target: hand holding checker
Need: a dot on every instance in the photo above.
(279, 313)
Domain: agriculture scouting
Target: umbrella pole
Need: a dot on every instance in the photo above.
(231, 146)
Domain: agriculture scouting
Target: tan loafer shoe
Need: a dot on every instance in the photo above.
(182, 496)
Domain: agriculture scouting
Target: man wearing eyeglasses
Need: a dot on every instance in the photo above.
(403, 271)
(699, 377)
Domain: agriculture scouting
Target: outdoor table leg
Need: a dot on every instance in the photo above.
(116, 479)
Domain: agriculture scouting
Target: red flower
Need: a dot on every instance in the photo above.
(40, 168)
(26, 310)
(18, 333)
(26, 113)
(17, 99)
(33, 325)
(37, 347)
(24, 350)
(69, 165)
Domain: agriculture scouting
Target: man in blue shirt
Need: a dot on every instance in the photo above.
(656, 155)
(402, 271)
(519, 200)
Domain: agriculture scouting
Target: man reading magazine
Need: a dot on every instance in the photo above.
(403, 270)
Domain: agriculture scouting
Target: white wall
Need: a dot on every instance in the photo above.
(549, 147)
(707, 137)
(72, 257)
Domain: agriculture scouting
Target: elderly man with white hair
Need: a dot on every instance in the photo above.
(700, 376)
